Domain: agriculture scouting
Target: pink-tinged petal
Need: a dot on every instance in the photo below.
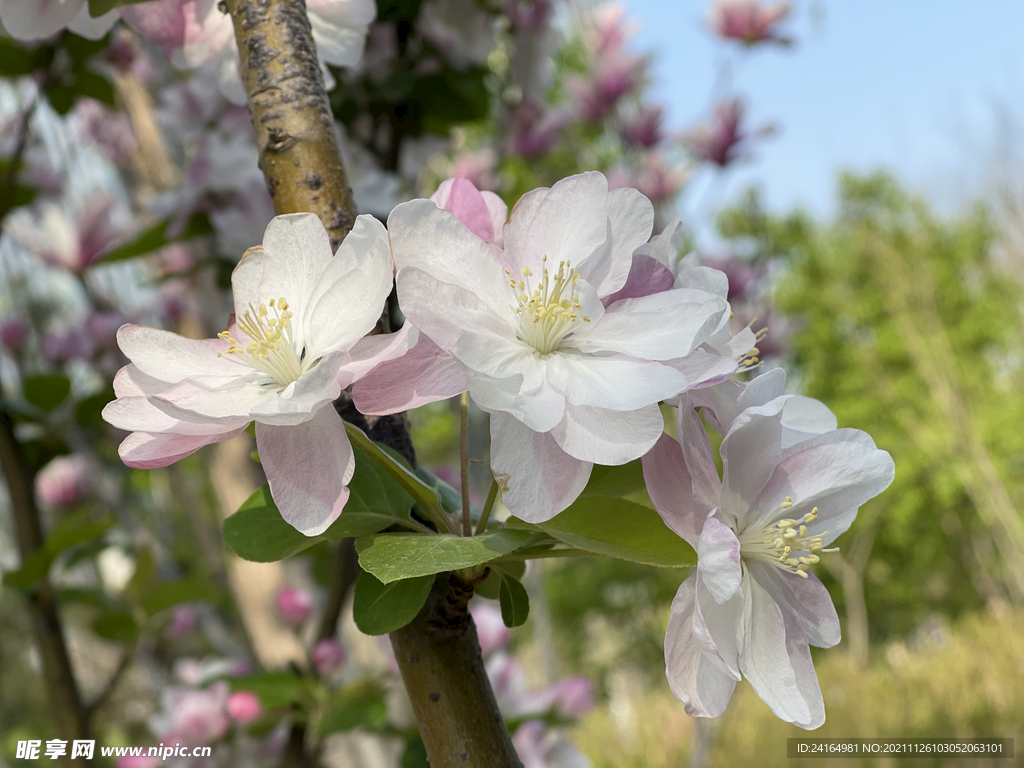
(352, 289)
(208, 35)
(540, 409)
(646, 276)
(131, 382)
(724, 402)
(444, 311)
(466, 204)
(630, 220)
(138, 414)
(749, 453)
(612, 381)
(308, 467)
(662, 326)
(671, 489)
(776, 661)
(370, 351)
(36, 19)
(804, 417)
(705, 279)
(423, 375)
(142, 450)
(693, 678)
(700, 462)
(718, 559)
(161, 22)
(537, 478)
(608, 437)
(190, 401)
(704, 369)
(499, 214)
(500, 356)
(172, 358)
(430, 239)
(835, 472)
(807, 599)
(568, 222)
(716, 628)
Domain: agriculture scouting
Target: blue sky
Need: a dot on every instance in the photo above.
(911, 85)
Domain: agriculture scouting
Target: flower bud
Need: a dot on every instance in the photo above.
(63, 482)
(244, 707)
(328, 656)
(295, 605)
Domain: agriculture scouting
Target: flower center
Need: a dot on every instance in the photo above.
(782, 542)
(272, 348)
(549, 312)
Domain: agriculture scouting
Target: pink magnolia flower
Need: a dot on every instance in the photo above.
(110, 131)
(296, 342)
(644, 129)
(63, 482)
(196, 32)
(613, 77)
(747, 21)
(609, 30)
(72, 241)
(328, 656)
(720, 142)
(295, 605)
(753, 605)
(244, 707)
(38, 19)
(535, 131)
(568, 382)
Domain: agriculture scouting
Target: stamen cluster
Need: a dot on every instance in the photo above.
(271, 348)
(781, 542)
(549, 312)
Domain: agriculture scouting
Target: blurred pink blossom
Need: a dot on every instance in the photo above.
(534, 130)
(73, 241)
(613, 77)
(747, 21)
(62, 345)
(328, 656)
(574, 696)
(13, 333)
(609, 31)
(63, 482)
(644, 130)
(109, 130)
(295, 605)
(183, 621)
(194, 717)
(719, 142)
(478, 167)
(490, 628)
(244, 707)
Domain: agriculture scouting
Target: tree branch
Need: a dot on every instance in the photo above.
(69, 716)
(438, 653)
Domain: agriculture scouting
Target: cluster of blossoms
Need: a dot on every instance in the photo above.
(568, 325)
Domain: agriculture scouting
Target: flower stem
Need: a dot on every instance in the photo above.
(488, 506)
(467, 525)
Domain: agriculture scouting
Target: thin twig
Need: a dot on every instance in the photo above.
(492, 495)
(467, 524)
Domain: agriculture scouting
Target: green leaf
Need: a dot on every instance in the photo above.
(156, 237)
(415, 754)
(491, 585)
(75, 529)
(99, 7)
(16, 60)
(257, 532)
(145, 570)
(515, 603)
(374, 492)
(117, 625)
(379, 608)
(46, 391)
(32, 570)
(358, 705)
(163, 596)
(451, 499)
(617, 481)
(95, 87)
(393, 556)
(89, 410)
(274, 689)
(621, 529)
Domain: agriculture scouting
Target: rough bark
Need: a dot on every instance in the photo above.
(69, 714)
(438, 653)
(299, 153)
